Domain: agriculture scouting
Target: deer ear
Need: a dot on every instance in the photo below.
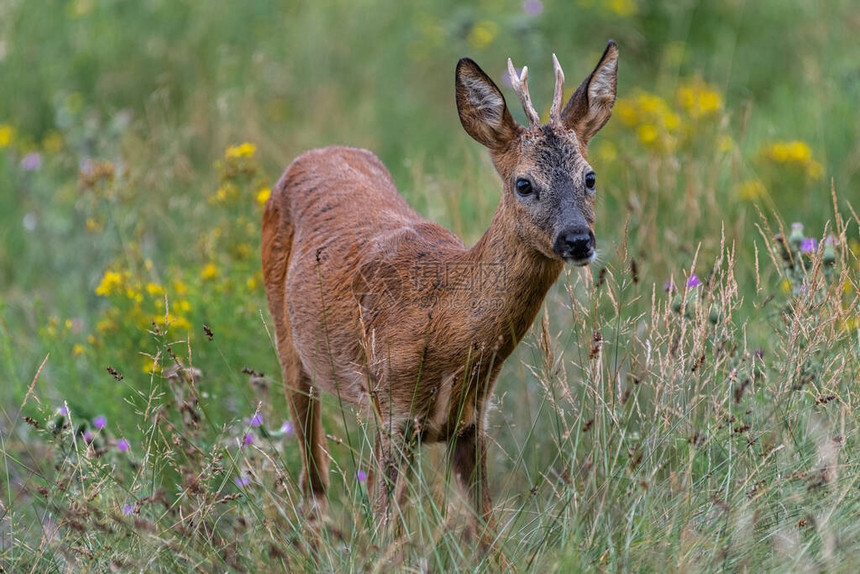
(591, 105)
(482, 107)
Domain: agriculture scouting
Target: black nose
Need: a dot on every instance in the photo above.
(575, 246)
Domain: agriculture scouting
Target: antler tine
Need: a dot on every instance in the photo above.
(521, 87)
(558, 95)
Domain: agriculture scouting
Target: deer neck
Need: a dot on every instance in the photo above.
(510, 280)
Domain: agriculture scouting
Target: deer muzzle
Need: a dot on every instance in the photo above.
(576, 246)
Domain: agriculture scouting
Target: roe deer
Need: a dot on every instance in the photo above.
(393, 313)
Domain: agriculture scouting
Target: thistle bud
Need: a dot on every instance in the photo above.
(796, 236)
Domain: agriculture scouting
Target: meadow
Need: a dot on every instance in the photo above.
(684, 404)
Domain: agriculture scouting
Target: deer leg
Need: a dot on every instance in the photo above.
(468, 453)
(305, 407)
(394, 453)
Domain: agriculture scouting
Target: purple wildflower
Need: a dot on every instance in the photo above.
(809, 245)
(287, 428)
(361, 476)
(669, 286)
(127, 509)
(693, 281)
(532, 7)
(255, 421)
(32, 161)
(242, 481)
(247, 439)
(100, 422)
(122, 445)
(88, 436)
(64, 410)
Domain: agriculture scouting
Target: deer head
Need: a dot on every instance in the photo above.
(549, 187)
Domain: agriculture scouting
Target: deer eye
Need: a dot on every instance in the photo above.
(590, 180)
(524, 186)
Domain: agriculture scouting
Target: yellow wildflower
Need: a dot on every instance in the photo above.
(671, 121)
(482, 34)
(785, 286)
(649, 103)
(7, 134)
(109, 283)
(751, 190)
(647, 133)
(623, 8)
(154, 289)
(788, 152)
(53, 142)
(210, 271)
(244, 150)
(778, 152)
(94, 226)
(170, 320)
(799, 152)
(106, 324)
(699, 99)
(134, 295)
(219, 197)
(263, 196)
(150, 365)
(251, 283)
(162, 318)
(793, 153)
(244, 251)
(78, 350)
(814, 170)
(725, 143)
(180, 287)
(854, 246)
(626, 111)
(183, 306)
(652, 118)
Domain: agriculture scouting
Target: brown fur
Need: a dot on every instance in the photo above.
(390, 312)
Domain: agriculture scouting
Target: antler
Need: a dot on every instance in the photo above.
(558, 95)
(521, 87)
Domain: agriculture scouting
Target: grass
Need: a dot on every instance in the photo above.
(646, 423)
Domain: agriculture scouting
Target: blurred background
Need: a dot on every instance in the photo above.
(113, 115)
(139, 140)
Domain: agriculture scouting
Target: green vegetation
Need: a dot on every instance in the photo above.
(685, 404)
